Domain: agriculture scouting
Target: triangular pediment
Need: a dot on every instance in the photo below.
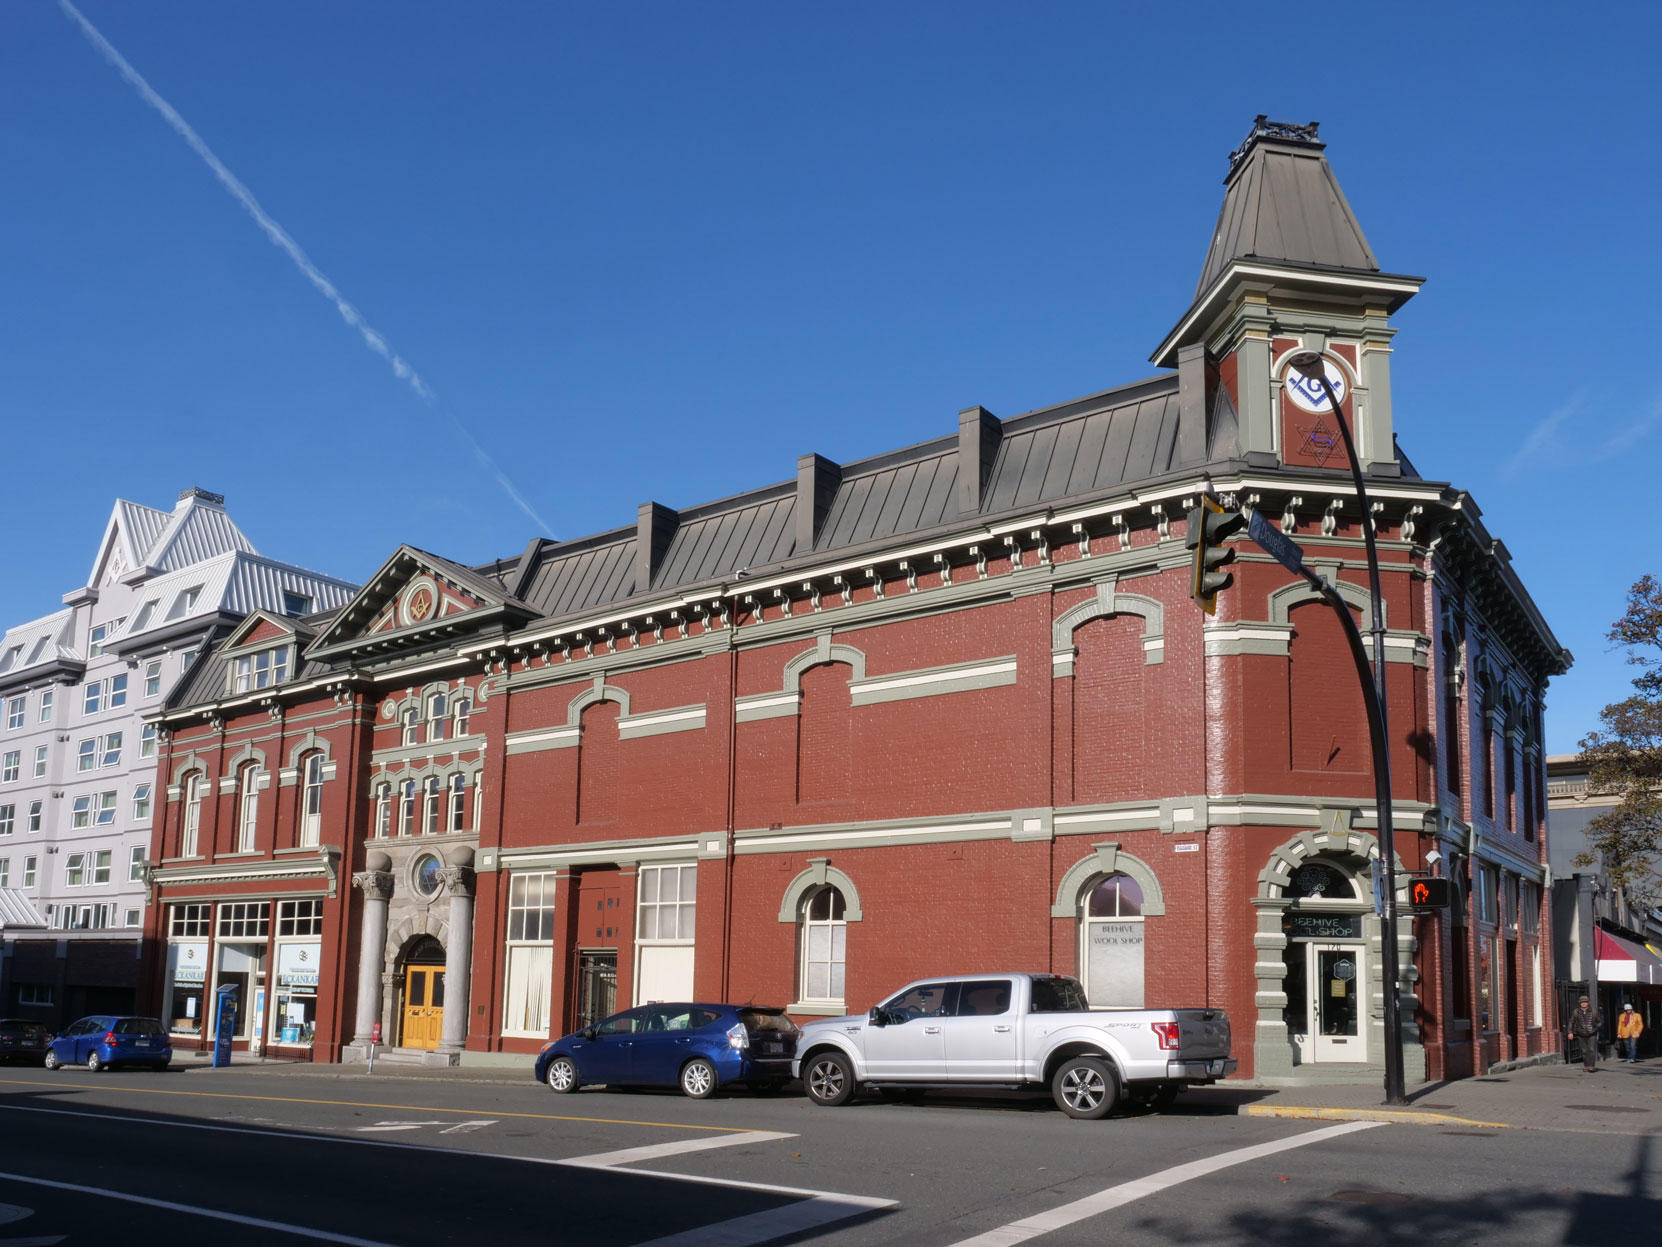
(413, 598)
(264, 627)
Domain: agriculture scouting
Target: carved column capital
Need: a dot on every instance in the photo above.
(457, 880)
(376, 884)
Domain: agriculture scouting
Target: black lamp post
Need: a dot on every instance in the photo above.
(1310, 364)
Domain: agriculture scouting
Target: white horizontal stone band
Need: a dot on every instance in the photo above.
(548, 738)
(658, 722)
(934, 681)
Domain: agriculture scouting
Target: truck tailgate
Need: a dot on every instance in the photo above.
(1202, 1033)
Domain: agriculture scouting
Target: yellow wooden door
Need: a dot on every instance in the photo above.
(423, 1006)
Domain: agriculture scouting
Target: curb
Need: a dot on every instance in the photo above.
(1405, 1118)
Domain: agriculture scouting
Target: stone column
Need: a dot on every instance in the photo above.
(376, 884)
(457, 878)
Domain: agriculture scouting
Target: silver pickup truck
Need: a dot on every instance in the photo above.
(1025, 1030)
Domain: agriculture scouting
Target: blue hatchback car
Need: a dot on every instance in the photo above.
(104, 1040)
(696, 1047)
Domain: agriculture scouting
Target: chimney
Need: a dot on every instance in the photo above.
(655, 527)
(979, 433)
(1191, 403)
(817, 479)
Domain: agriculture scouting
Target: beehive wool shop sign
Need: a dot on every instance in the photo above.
(297, 964)
(188, 961)
(1325, 926)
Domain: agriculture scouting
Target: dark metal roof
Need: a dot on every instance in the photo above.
(722, 538)
(1093, 450)
(581, 575)
(918, 492)
(1283, 203)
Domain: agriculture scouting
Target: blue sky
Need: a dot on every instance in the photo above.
(657, 251)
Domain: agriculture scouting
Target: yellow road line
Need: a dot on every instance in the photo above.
(1364, 1114)
(419, 1108)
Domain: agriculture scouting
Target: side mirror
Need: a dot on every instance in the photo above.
(589, 1032)
(877, 1017)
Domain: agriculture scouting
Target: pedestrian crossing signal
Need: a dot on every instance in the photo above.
(1428, 895)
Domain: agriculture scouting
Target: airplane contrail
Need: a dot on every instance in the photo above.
(278, 235)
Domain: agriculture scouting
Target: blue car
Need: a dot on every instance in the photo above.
(692, 1046)
(104, 1041)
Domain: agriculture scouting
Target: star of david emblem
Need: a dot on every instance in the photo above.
(1319, 442)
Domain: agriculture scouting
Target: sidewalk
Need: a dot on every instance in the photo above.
(1617, 1099)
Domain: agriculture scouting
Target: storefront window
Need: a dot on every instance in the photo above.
(530, 949)
(187, 968)
(299, 955)
(241, 960)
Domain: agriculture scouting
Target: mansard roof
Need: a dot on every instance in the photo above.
(1283, 203)
(39, 650)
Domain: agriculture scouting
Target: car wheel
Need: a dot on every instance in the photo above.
(93, 1063)
(1085, 1087)
(828, 1079)
(561, 1075)
(698, 1079)
(50, 1060)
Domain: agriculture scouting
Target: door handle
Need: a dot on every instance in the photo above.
(931, 1030)
(1001, 1029)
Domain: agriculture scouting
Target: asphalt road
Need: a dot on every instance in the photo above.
(260, 1158)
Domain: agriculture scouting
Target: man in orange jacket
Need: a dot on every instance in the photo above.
(1628, 1029)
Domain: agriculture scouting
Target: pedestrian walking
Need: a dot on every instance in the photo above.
(1628, 1029)
(1585, 1024)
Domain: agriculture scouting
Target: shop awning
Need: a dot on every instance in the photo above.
(18, 912)
(1624, 961)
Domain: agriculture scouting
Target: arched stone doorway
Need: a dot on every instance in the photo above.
(420, 982)
(1320, 999)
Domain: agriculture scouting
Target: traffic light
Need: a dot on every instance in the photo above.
(1209, 525)
(1427, 895)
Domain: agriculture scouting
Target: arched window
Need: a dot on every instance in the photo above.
(191, 833)
(464, 711)
(412, 727)
(433, 821)
(383, 811)
(406, 808)
(438, 723)
(458, 803)
(1111, 936)
(1454, 780)
(248, 810)
(824, 940)
(311, 801)
(1316, 881)
(478, 792)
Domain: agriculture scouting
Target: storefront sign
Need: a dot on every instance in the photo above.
(1324, 926)
(297, 964)
(187, 961)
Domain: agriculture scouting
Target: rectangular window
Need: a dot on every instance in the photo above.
(86, 754)
(8, 819)
(188, 922)
(110, 754)
(5, 872)
(40, 761)
(16, 710)
(99, 635)
(74, 870)
(667, 902)
(46, 706)
(29, 872)
(81, 811)
(141, 803)
(296, 604)
(106, 809)
(530, 960)
(262, 670)
(34, 815)
(135, 864)
(300, 917)
(1529, 909)
(100, 864)
(143, 618)
(187, 660)
(34, 993)
(147, 741)
(92, 697)
(244, 920)
(132, 919)
(117, 692)
(1486, 895)
(10, 766)
(153, 678)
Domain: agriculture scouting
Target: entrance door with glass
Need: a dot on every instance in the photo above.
(1337, 974)
(423, 1006)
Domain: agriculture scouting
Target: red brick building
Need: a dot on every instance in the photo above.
(949, 708)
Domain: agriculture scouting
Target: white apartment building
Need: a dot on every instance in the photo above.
(78, 785)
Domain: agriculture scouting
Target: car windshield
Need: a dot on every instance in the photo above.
(138, 1026)
(1058, 995)
(767, 1020)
